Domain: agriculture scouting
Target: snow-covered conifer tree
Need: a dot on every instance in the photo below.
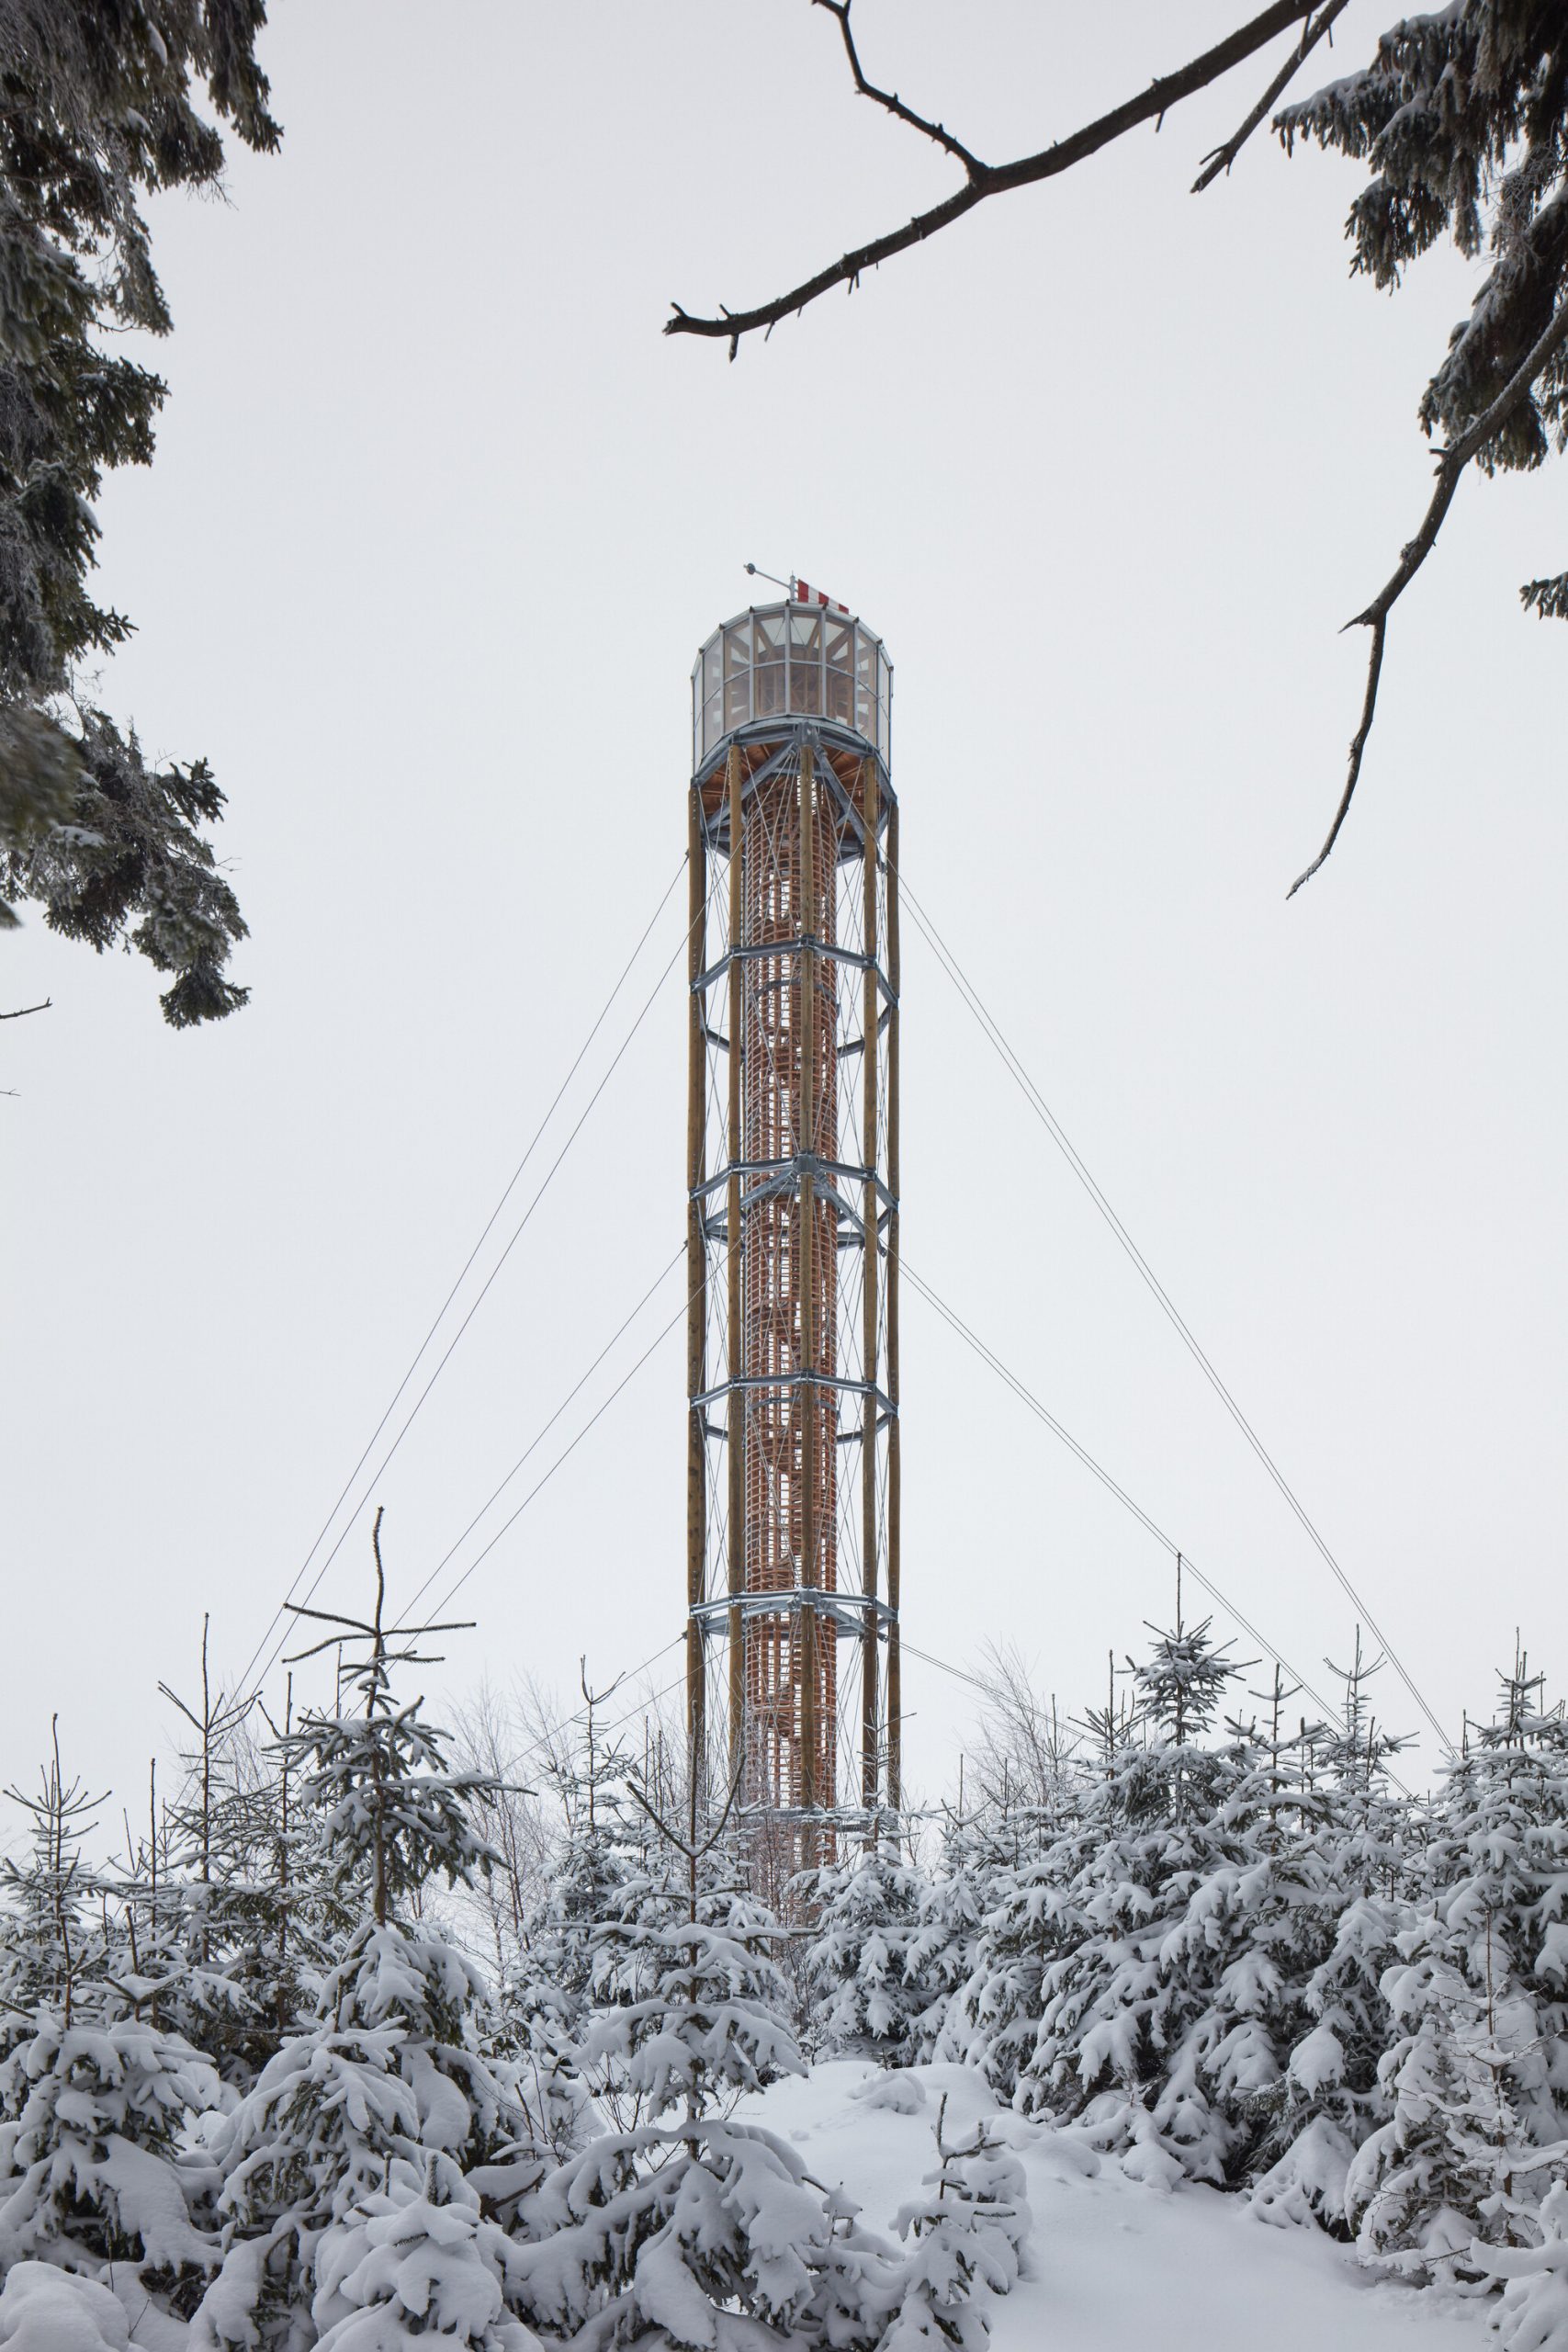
(1018, 1861)
(411, 2264)
(229, 1919)
(598, 1853)
(97, 2103)
(686, 2223)
(1478, 2079)
(1358, 1851)
(864, 1912)
(1446, 2167)
(535, 2037)
(945, 1945)
(1143, 2028)
(50, 1940)
(387, 2094)
(967, 2236)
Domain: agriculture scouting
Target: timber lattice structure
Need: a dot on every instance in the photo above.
(793, 1441)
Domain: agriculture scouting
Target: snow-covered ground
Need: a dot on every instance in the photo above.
(1116, 2265)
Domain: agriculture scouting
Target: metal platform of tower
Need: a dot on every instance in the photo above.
(793, 1442)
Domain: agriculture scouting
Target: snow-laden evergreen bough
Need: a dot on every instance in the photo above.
(101, 105)
(411, 2264)
(1532, 2315)
(44, 2310)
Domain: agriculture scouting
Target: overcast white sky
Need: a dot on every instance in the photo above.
(437, 521)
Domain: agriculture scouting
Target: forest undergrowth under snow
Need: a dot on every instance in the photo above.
(364, 2044)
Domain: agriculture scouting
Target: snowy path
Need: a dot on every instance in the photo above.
(1116, 2267)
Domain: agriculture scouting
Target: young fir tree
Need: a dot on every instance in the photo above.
(967, 2238)
(866, 1995)
(1477, 2079)
(1153, 2025)
(686, 2225)
(410, 2265)
(386, 2098)
(53, 1937)
(599, 1848)
(1360, 1850)
(1017, 1857)
(97, 2103)
(229, 1921)
(535, 2039)
(1441, 2172)
(945, 1945)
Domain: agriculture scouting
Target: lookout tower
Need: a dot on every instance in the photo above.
(792, 1359)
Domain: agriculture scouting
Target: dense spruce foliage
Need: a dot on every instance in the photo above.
(1462, 119)
(99, 108)
(363, 2043)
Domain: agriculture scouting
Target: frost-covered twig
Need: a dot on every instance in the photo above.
(982, 180)
(1450, 465)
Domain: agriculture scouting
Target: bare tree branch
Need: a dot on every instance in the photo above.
(890, 98)
(984, 180)
(22, 1011)
(1413, 555)
(1311, 33)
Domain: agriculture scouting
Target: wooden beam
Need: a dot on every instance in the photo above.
(696, 1282)
(806, 1141)
(894, 1516)
(870, 1264)
(736, 1409)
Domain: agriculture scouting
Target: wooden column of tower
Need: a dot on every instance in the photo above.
(871, 1013)
(696, 1287)
(807, 1397)
(894, 1510)
(736, 1441)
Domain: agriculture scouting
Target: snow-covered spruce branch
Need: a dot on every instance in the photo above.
(1413, 555)
(982, 180)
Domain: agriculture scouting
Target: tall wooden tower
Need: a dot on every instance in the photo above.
(793, 1446)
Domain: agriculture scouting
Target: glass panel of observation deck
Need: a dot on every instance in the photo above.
(768, 656)
(805, 663)
(865, 684)
(838, 638)
(713, 671)
(737, 675)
